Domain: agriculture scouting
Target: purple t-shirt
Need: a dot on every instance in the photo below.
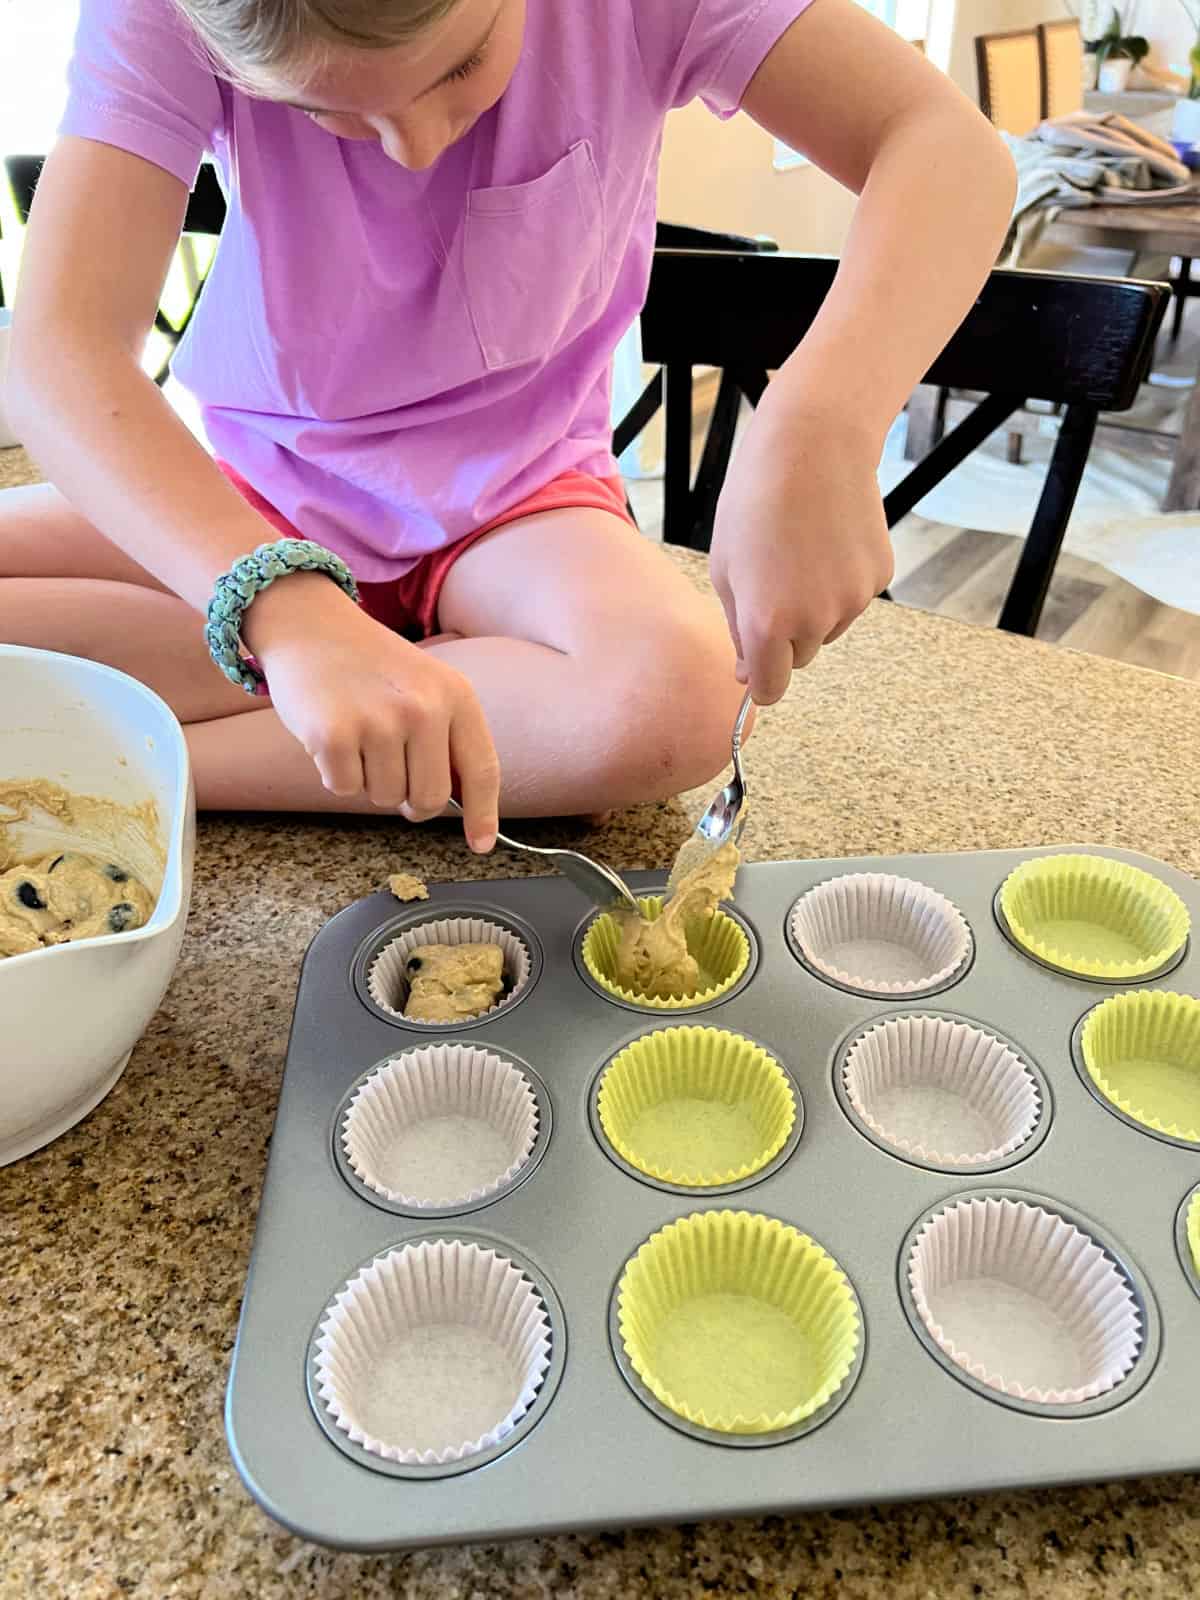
(393, 358)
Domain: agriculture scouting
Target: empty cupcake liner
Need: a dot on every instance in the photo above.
(1024, 1302)
(941, 1091)
(387, 983)
(718, 943)
(880, 933)
(433, 1352)
(1093, 916)
(1142, 1051)
(698, 1107)
(441, 1126)
(1192, 1232)
(738, 1323)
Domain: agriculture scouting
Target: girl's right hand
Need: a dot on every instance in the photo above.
(377, 715)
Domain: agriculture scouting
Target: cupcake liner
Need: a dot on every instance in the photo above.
(433, 1352)
(887, 935)
(446, 1125)
(1022, 1300)
(1192, 1229)
(387, 983)
(738, 1323)
(941, 1091)
(696, 1106)
(718, 943)
(1142, 1051)
(1093, 916)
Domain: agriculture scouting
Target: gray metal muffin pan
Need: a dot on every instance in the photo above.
(593, 1452)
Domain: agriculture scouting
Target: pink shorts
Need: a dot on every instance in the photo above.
(409, 605)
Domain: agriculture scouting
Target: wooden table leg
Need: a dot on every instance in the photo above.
(1183, 493)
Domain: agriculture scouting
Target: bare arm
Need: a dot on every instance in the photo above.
(936, 188)
(99, 427)
(801, 546)
(374, 713)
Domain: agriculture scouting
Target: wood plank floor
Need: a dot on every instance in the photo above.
(965, 573)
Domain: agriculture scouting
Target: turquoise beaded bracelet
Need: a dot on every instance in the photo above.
(248, 577)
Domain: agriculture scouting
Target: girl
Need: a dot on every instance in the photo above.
(441, 220)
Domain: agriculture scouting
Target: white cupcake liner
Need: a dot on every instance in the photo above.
(387, 983)
(887, 935)
(1024, 1301)
(433, 1353)
(445, 1125)
(941, 1091)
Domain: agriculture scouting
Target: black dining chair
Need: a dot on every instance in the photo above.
(1084, 344)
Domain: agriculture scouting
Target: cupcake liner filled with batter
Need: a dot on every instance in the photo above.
(492, 968)
(1093, 916)
(1024, 1302)
(433, 1352)
(717, 944)
(941, 1091)
(738, 1323)
(698, 1107)
(446, 1125)
(1142, 1052)
(881, 934)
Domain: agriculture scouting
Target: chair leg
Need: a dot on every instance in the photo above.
(1013, 452)
(1027, 593)
(949, 453)
(714, 462)
(1180, 288)
(677, 468)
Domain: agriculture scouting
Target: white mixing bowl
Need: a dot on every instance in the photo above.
(70, 1015)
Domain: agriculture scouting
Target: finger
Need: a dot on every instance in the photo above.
(386, 768)
(478, 767)
(428, 755)
(340, 766)
(769, 668)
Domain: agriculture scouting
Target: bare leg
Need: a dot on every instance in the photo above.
(613, 685)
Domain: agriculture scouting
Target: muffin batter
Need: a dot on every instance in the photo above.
(407, 887)
(653, 958)
(453, 982)
(53, 899)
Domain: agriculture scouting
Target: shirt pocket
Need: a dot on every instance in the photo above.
(533, 259)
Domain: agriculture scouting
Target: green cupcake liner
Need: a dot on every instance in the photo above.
(1094, 916)
(1142, 1051)
(1193, 1231)
(738, 1323)
(696, 1106)
(718, 943)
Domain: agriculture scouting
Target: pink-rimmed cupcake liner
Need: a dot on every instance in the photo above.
(941, 1091)
(1024, 1301)
(445, 1125)
(881, 934)
(432, 1353)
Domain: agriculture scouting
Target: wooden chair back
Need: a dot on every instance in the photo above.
(1061, 47)
(1010, 79)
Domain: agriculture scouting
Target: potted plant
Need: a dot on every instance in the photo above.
(1117, 53)
(1185, 127)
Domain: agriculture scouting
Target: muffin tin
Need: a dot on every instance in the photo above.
(620, 1371)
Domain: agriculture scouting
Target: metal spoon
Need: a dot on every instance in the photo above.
(723, 820)
(600, 884)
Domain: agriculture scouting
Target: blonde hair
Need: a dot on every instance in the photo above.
(245, 35)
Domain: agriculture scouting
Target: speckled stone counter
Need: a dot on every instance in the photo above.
(123, 1247)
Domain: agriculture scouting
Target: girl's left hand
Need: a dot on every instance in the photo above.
(800, 546)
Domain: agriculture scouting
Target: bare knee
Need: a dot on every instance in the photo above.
(674, 708)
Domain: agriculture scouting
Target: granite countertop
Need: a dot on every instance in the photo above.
(123, 1246)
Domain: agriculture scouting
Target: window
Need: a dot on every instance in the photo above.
(908, 17)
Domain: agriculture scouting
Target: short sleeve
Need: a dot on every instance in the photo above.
(139, 79)
(709, 48)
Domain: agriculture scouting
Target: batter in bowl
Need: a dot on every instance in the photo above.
(57, 898)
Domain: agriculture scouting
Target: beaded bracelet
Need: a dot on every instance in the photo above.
(248, 577)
